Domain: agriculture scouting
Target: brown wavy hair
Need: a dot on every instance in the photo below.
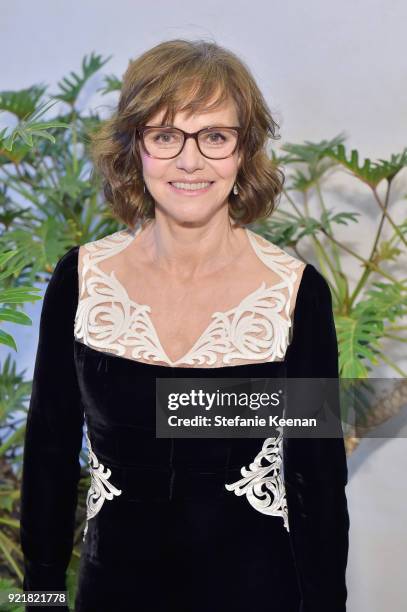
(182, 75)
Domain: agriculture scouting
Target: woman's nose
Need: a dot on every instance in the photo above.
(190, 157)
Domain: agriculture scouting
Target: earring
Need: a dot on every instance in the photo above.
(144, 187)
(235, 189)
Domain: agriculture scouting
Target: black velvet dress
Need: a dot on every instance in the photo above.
(163, 533)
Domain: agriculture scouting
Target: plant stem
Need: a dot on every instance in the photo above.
(386, 214)
(335, 251)
(4, 547)
(46, 170)
(74, 142)
(321, 253)
(368, 264)
(368, 270)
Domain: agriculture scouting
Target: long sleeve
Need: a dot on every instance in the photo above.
(315, 469)
(53, 439)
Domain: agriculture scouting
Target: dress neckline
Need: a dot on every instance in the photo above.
(215, 337)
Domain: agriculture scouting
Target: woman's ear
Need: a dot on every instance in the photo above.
(240, 160)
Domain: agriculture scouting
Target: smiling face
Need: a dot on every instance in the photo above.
(190, 166)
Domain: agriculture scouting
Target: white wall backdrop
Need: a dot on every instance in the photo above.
(324, 68)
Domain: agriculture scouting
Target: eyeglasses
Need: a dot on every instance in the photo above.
(168, 142)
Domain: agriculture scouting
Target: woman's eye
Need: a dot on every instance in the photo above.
(162, 138)
(216, 137)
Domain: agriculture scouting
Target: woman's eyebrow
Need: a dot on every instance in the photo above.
(205, 127)
(214, 125)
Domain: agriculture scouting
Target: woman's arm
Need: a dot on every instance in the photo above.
(53, 438)
(315, 469)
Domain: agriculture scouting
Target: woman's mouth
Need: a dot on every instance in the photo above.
(191, 189)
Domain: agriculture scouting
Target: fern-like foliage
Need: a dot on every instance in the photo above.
(23, 102)
(11, 295)
(358, 340)
(111, 83)
(71, 86)
(370, 172)
(360, 333)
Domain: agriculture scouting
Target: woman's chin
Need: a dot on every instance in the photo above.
(187, 214)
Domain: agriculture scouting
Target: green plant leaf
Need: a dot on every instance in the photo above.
(7, 339)
(29, 127)
(70, 87)
(112, 83)
(7, 314)
(358, 342)
(18, 295)
(370, 172)
(8, 589)
(23, 102)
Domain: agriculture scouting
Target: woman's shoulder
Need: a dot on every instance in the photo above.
(307, 284)
(310, 287)
(109, 242)
(312, 281)
(314, 299)
(104, 247)
(66, 265)
(314, 285)
(61, 292)
(280, 255)
(66, 277)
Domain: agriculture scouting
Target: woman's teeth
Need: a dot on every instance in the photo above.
(191, 186)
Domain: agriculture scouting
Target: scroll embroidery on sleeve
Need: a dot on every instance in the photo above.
(263, 484)
(100, 488)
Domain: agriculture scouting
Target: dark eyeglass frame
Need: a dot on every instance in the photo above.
(140, 132)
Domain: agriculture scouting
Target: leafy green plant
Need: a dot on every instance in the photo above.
(13, 295)
(15, 392)
(374, 309)
(47, 204)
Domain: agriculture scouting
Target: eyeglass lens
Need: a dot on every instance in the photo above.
(167, 142)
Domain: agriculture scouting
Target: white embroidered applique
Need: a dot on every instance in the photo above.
(256, 330)
(263, 484)
(100, 488)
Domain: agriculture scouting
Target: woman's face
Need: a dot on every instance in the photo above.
(190, 165)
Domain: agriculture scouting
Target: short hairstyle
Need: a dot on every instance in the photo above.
(184, 76)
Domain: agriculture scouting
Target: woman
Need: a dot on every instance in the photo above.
(186, 290)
